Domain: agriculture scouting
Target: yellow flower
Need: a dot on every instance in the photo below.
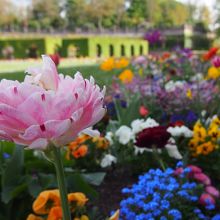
(115, 216)
(101, 142)
(45, 201)
(213, 73)
(199, 131)
(80, 151)
(55, 213)
(213, 131)
(77, 148)
(77, 200)
(121, 63)
(216, 121)
(205, 148)
(189, 94)
(83, 217)
(108, 64)
(126, 76)
(33, 217)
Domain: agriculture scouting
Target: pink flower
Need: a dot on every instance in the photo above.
(212, 191)
(206, 199)
(48, 108)
(195, 169)
(202, 178)
(216, 61)
(178, 171)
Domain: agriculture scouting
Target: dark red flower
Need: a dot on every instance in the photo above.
(56, 58)
(156, 136)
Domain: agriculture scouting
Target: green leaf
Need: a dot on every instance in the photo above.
(11, 177)
(77, 184)
(94, 178)
(40, 183)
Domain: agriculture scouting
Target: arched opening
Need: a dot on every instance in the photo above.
(132, 50)
(98, 50)
(122, 50)
(33, 51)
(111, 50)
(71, 51)
(141, 50)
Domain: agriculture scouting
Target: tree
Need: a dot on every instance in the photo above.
(8, 14)
(47, 13)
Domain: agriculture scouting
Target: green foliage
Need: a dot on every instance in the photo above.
(201, 42)
(12, 181)
(23, 46)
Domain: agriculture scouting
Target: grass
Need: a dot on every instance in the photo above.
(101, 77)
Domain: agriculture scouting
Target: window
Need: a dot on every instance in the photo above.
(122, 50)
(132, 50)
(98, 50)
(111, 50)
(141, 50)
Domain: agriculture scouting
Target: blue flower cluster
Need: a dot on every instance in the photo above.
(161, 195)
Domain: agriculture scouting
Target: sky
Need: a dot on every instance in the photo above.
(209, 3)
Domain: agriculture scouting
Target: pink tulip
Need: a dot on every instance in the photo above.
(48, 108)
(216, 61)
(202, 178)
(212, 191)
(206, 199)
(143, 111)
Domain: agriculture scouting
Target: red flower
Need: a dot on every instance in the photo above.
(210, 54)
(56, 58)
(156, 136)
(143, 111)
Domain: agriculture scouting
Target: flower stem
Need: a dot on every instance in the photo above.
(158, 158)
(61, 182)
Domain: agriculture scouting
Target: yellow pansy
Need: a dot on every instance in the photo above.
(108, 64)
(33, 217)
(77, 200)
(126, 76)
(213, 73)
(205, 148)
(121, 63)
(46, 200)
(189, 94)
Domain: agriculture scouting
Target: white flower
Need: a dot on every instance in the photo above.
(136, 125)
(197, 77)
(149, 123)
(109, 136)
(172, 149)
(108, 160)
(171, 85)
(124, 134)
(178, 131)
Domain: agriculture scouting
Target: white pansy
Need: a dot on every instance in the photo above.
(178, 131)
(124, 134)
(197, 77)
(149, 123)
(107, 160)
(172, 149)
(136, 125)
(171, 85)
(109, 136)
